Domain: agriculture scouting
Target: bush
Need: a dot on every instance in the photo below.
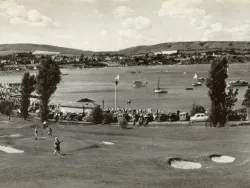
(97, 115)
(123, 123)
(6, 107)
(196, 108)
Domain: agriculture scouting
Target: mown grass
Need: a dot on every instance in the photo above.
(139, 157)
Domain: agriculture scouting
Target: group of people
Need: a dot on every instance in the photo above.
(57, 142)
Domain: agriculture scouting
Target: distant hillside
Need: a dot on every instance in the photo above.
(15, 48)
(182, 46)
(188, 46)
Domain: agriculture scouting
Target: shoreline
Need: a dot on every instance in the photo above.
(71, 68)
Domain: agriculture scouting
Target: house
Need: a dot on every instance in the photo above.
(139, 55)
(169, 52)
(111, 64)
(39, 53)
(78, 107)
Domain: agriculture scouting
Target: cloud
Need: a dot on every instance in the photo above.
(121, 1)
(188, 9)
(233, 1)
(212, 30)
(64, 36)
(180, 8)
(103, 33)
(127, 33)
(201, 22)
(129, 37)
(123, 11)
(239, 32)
(19, 14)
(138, 23)
(84, 1)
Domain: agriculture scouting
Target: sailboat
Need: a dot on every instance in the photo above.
(138, 83)
(160, 90)
(196, 83)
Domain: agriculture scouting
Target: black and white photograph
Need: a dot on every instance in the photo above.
(125, 93)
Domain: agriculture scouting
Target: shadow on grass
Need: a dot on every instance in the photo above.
(214, 155)
(65, 154)
(92, 146)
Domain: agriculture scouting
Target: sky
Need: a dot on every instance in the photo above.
(104, 25)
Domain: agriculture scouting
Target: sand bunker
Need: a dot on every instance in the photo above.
(222, 159)
(184, 164)
(11, 136)
(9, 149)
(107, 143)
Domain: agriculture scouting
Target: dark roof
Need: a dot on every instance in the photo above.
(85, 100)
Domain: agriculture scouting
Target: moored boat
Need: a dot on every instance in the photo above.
(138, 83)
(160, 90)
(197, 84)
(201, 79)
(238, 83)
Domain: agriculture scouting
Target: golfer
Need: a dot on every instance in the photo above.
(36, 133)
(44, 124)
(57, 146)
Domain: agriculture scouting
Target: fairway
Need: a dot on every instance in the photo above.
(137, 157)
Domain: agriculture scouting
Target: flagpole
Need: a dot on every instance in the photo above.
(116, 83)
(115, 96)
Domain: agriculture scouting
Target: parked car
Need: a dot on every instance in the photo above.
(201, 117)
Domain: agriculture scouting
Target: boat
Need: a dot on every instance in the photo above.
(160, 90)
(238, 83)
(197, 84)
(138, 83)
(201, 79)
(65, 74)
(189, 88)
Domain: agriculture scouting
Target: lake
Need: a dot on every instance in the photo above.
(98, 84)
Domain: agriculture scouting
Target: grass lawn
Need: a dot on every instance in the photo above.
(138, 158)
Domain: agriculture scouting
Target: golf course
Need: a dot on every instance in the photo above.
(99, 156)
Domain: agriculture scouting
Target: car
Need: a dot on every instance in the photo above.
(201, 117)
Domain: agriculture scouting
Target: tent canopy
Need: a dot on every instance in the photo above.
(85, 100)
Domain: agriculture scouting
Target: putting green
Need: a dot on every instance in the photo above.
(47, 144)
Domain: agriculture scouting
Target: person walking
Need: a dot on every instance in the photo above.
(49, 132)
(57, 146)
(44, 125)
(36, 133)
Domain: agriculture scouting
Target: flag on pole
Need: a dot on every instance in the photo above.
(195, 76)
(117, 78)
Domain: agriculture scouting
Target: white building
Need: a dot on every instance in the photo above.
(169, 52)
(40, 52)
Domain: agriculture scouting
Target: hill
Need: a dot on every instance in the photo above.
(188, 46)
(22, 47)
(181, 46)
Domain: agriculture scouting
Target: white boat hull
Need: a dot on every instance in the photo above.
(197, 84)
(160, 91)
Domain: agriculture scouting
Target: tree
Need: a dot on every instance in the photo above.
(231, 99)
(196, 108)
(27, 87)
(246, 102)
(97, 115)
(49, 76)
(216, 83)
(6, 107)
